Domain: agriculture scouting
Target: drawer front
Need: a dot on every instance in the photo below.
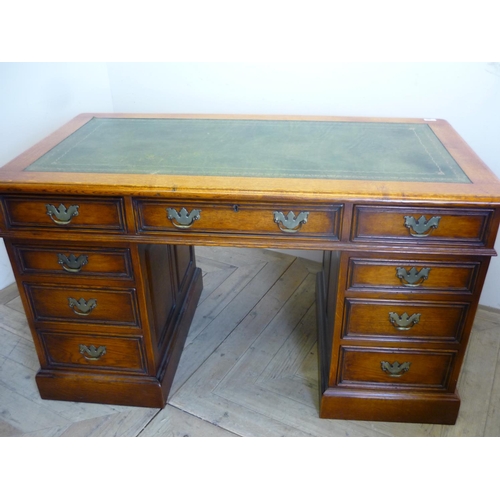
(61, 213)
(94, 352)
(421, 225)
(83, 305)
(413, 275)
(396, 367)
(74, 261)
(320, 221)
(383, 320)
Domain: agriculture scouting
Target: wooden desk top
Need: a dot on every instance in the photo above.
(321, 158)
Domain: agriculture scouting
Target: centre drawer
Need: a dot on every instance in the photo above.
(396, 367)
(241, 218)
(94, 352)
(404, 320)
(83, 305)
(423, 226)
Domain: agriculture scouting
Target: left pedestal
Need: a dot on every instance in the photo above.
(109, 322)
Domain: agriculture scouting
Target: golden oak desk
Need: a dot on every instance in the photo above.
(100, 220)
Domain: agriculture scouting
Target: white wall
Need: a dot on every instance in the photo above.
(37, 98)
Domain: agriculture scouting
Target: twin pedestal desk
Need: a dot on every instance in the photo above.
(101, 218)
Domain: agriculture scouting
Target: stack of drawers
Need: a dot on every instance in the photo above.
(84, 306)
(106, 316)
(400, 321)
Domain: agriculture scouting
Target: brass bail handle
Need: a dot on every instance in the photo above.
(421, 228)
(183, 219)
(82, 307)
(62, 215)
(412, 277)
(72, 264)
(290, 223)
(405, 321)
(395, 369)
(92, 353)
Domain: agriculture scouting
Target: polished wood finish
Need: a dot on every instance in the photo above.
(93, 214)
(239, 218)
(370, 318)
(427, 368)
(423, 407)
(113, 263)
(457, 275)
(457, 226)
(121, 354)
(113, 307)
(361, 226)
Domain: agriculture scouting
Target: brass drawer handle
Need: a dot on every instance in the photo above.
(183, 219)
(91, 353)
(72, 264)
(412, 277)
(290, 223)
(404, 322)
(395, 369)
(422, 227)
(82, 307)
(62, 215)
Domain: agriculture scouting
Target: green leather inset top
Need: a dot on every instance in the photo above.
(255, 148)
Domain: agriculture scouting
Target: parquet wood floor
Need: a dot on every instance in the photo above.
(249, 367)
